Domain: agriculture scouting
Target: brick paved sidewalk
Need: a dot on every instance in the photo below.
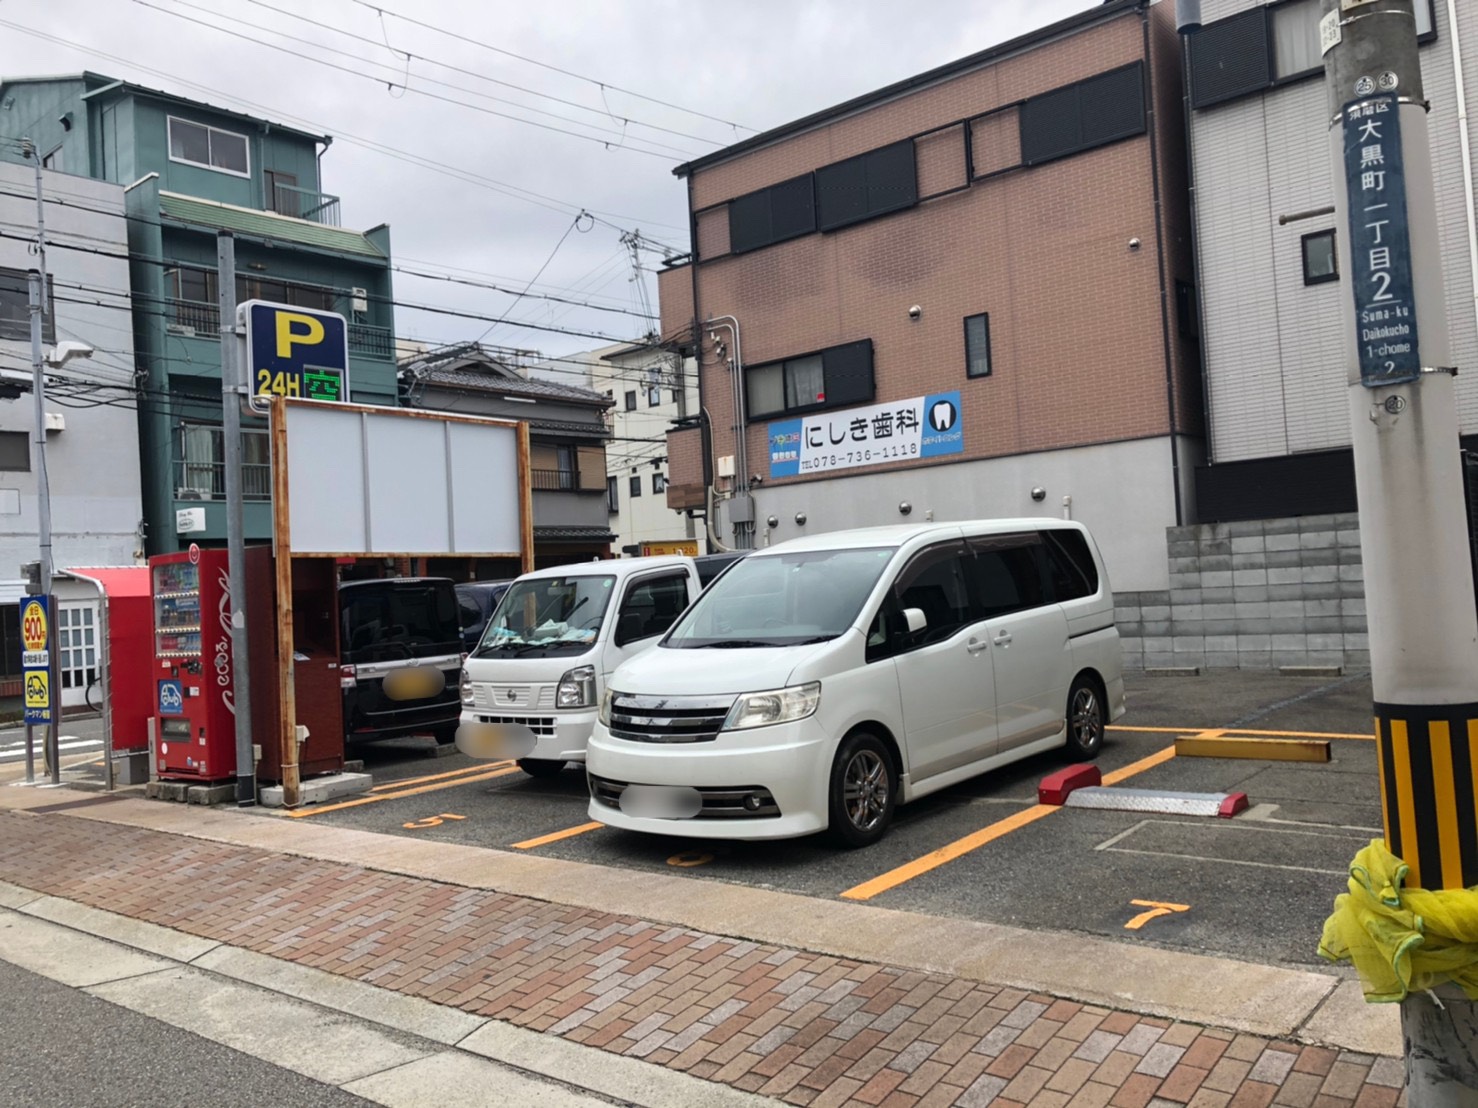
(807, 1028)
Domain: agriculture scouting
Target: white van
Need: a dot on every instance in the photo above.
(820, 682)
(531, 686)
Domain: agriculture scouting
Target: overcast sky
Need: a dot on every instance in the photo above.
(506, 193)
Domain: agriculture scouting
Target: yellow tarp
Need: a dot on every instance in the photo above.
(1402, 940)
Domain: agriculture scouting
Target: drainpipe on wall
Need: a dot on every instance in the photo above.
(1462, 133)
(1153, 122)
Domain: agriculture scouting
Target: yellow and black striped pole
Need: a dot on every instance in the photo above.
(1429, 791)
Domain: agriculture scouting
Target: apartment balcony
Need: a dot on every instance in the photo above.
(197, 319)
(564, 480)
(316, 207)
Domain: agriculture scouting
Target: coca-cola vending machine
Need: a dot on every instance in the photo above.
(195, 730)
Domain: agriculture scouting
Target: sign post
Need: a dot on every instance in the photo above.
(1418, 574)
(36, 673)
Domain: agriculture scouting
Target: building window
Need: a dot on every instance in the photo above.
(634, 484)
(1081, 116)
(654, 396)
(659, 484)
(1321, 264)
(197, 144)
(613, 495)
(283, 195)
(10, 641)
(631, 401)
(832, 378)
(677, 396)
(1264, 46)
(15, 307)
(773, 214)
(1295, 34)
(977, 345)
(1187, 311)
(53, 161)
(202, 463)
(872, 184)
(15, 451)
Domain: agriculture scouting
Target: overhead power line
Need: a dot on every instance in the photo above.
(411, 55)
(467, 176)
(618, 141)
(602, 85)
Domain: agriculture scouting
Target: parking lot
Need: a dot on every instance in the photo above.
(1256, 887)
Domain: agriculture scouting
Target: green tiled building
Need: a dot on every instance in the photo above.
(190, 171)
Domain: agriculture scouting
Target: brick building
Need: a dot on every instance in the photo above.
(966, 294)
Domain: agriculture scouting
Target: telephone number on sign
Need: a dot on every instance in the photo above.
(860, 457)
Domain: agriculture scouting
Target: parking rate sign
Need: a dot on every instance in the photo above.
(295, 352)
(36, 658)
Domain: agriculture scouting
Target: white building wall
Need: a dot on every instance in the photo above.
(94, 463)
(1128, 517)
(1275, 369)
(638, 447)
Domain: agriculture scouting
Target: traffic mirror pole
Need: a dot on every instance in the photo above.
(1418, 571)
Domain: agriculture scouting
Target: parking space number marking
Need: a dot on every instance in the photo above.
(1156, 910)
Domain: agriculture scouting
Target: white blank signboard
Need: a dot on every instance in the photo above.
(372, 482)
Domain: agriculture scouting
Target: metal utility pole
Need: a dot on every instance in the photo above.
(1403, 410)
(231, 398)
(741, 504)
(37, 289)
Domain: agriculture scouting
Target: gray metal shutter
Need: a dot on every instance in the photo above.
(1112, 105)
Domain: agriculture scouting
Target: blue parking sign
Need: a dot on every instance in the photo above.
(295, 352)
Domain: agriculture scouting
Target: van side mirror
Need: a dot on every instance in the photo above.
(915, 620)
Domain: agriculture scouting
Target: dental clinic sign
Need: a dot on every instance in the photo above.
(900, 431)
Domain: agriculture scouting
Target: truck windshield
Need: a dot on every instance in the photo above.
(547, 616)
(782, 599)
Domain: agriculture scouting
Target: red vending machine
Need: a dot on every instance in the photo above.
(195, 729)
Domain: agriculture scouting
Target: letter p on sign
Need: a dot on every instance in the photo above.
(294, 329)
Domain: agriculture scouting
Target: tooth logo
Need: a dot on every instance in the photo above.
(942, 415)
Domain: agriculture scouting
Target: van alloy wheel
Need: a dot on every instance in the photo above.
(865, 790)
(1085, 719)
(860, 791)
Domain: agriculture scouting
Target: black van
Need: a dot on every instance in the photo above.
(400, 648)
(478, 600)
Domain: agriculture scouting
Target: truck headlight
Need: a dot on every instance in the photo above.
(605, 708)
(760, 709)
(466, 690)
(576, 688)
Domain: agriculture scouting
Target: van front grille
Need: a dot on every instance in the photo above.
(668, 719)
(542, 726)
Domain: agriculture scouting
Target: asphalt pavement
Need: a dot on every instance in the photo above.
(1256, 888)
(58, 1045)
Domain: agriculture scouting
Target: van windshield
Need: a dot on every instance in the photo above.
(782, 599)
(546, 617)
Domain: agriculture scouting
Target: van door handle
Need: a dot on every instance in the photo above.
(975, 646)
(1003, 638)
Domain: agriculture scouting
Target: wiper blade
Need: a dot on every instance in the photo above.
(732, 644)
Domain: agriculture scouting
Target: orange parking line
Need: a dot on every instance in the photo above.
(317, 810)
(466, 771)
(950, 851)
(567, 833)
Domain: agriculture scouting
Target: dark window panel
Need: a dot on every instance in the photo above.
(1321, 262)
(792, 208)
(977, 345)
(749, 222)
(1051, 126)
(1112, 105)
(871, 184)
(849, 374)
(1230, 58)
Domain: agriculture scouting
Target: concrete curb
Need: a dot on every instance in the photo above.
(1211, 991)
(54, 927)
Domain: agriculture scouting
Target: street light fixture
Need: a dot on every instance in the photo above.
(64, 352)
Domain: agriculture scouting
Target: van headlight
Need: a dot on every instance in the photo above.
(760, 709)
(605, 708)
(466, 689)
(576, 688)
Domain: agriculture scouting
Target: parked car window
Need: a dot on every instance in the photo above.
(1073, 573)
(1007, 574)
(399, 620)
(934, 582)
(468, 611)
(651, 607)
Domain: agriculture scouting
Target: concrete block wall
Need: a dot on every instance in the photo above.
(1253, 595)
